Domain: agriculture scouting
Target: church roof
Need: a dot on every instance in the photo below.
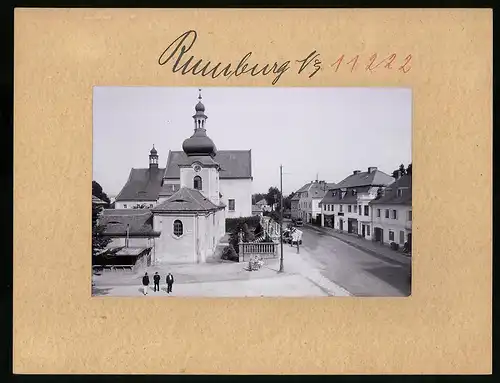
(116, 220)
(234, 163)
(168, 190)
(391, 193)
(142, 185)
(186, 200)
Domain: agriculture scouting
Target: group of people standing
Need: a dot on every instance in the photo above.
(156, 280)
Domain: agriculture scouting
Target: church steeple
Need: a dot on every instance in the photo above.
(199, 118)
(153, 158)
(199, 144)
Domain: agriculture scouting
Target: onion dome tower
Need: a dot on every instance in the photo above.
(199, 144)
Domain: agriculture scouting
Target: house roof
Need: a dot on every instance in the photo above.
(97, 201)
(391, 193)
(262, 202)
(316, 189)
(140, 222)
(131, 251)
(142, 185)
(186, 200)
(319, 189)
(304, 188)
(233, 163)
(295, 197)
(333, 196)
(376, 177)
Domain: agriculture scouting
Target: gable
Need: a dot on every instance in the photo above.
(186, 200)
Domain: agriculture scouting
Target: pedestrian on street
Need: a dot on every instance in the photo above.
(156, 280)
(145, 283)
(170, 282)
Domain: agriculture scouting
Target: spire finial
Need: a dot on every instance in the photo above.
(199, 95)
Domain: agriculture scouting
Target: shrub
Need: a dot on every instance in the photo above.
(258, 230)
(229, 254)
(232, 223)
(394, 246)
(274, 215)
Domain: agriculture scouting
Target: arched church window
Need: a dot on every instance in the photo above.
(178, 228)
(197, 183)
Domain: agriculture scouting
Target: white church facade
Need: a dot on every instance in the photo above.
(180, 210)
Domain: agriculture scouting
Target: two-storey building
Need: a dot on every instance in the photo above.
(310, 196)
(392, 213)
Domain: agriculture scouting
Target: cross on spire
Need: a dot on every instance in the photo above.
(199, 96)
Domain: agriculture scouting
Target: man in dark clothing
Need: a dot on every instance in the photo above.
(145, 283)
(156, 280)
(170, 282)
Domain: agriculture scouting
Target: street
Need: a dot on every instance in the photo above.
(325, 266)
(358, 272)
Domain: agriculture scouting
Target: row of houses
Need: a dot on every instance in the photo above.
(370, 204)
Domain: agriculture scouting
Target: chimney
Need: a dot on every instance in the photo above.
(371, 169)
(398, 174)
(356, 172)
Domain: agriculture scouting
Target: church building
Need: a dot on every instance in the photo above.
(189, 200)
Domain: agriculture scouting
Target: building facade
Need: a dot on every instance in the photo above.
(294, 206)
(309, 200)
(392, 213)
(346, 206)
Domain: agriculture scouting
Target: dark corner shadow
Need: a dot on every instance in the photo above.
(100, 291)
(398, 277)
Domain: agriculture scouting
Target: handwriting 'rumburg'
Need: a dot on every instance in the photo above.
(177, 51)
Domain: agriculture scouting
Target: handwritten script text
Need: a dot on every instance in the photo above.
(177, 55)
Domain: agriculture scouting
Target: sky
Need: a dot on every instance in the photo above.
(315, 133)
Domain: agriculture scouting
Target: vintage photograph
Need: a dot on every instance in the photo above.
(251, 192)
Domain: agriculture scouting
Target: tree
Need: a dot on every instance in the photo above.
(273, 197)
(287, 202)
(246, 235)
(99, 242)
(408, 170)
(99, 193)
(402, 169)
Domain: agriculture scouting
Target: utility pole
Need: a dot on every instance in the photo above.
(281, 218)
